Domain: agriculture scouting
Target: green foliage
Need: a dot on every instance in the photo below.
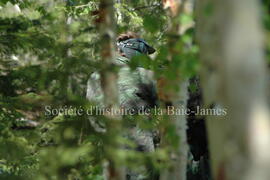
(48, 49)
(266, 23)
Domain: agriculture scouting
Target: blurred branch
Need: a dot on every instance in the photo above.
(150, 6)
(84, 5)
(81, 6)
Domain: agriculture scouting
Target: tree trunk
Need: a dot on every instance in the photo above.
(234, 77)
(106, 24)
(177, 100)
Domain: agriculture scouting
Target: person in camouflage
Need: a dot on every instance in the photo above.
(131, 84)
(137, 92)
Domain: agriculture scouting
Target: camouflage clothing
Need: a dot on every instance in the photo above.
(135, 88)
(128, 84)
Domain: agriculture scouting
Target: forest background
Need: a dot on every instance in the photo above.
(49, 48)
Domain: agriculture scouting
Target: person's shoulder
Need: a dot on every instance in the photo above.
(121, 60)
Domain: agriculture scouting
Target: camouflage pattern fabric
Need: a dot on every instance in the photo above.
(129, 83)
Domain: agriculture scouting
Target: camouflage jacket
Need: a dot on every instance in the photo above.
(128, 84)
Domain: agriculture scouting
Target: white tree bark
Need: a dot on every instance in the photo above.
(178, 168)
(234, 77)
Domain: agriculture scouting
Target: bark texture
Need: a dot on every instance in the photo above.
(106, 25)
(234, 77)
(171, 97)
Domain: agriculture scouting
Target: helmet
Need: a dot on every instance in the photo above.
(135, 46)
